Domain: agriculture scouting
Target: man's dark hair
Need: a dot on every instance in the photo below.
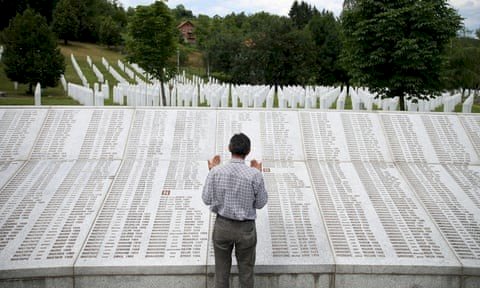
(240, 145)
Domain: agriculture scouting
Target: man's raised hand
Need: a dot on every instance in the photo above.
(255, 164)
(214, 162)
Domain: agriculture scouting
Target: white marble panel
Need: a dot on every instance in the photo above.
(451, 195)
(428, 138)
(365, 138)
(274, 135)
(471, 123)
(290, 227)
(149, 226)
(375, 223)
(230, 122)
(46, 211)
(323, 136)
(18, 131)
(280, 136)
(343, 136)
(69, 134)
(7, 170)
(172, 135)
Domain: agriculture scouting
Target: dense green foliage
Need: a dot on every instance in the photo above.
(301, 13)
(76, 19)
(181, 13)
(269, 49)
(67, 19)
(326, 33)
(31, 54)
(109, 32)
(151, 40)
(396, 48)
(10, 8)
(463, 69)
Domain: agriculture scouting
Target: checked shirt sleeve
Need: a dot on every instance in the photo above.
(207, 194)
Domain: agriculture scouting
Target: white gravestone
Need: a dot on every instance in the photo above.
(38, 95)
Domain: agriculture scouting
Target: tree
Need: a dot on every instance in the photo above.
(348, 4)
(396, 48)
(301, 14)
(67, 19)
(325, 31)
(180, 13)
(151, 40)
(223, 43)
(464, 64)
(109, 32)
(203, 30)
(44, 7)
(273, 52)
(477, 33)
(10, 8)
(31, 54)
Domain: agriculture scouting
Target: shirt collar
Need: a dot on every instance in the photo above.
(235, 160)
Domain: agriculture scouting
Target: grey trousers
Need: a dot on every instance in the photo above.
(241, 235)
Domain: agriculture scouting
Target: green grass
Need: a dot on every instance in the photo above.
(50, 95)
(476, 108)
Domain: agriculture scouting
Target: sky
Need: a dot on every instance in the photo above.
(468, 9)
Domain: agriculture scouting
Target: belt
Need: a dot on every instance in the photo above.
(233, 220)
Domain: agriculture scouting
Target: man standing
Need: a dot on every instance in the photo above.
(234, 191)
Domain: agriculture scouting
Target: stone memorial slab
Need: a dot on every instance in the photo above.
(451, 195)
(343, 136)
(290, 230)
(375, 223)
(172, 135)
(46, 211)
(230, 122)
(69, 134)
(148, 225)
(7, 170)
(471, 124)
(18, 131)
(428, 138)
(274, 134)
(280, 134)
(112, 195)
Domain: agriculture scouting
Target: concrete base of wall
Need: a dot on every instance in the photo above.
(261, 280)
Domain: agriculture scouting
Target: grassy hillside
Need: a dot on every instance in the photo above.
(56, 95)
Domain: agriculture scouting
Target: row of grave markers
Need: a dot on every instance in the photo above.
(194, 92)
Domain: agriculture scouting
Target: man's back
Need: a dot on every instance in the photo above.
(235, 190)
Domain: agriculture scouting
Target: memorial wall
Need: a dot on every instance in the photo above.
(117, 191)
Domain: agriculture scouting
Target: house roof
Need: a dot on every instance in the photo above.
(185, 23)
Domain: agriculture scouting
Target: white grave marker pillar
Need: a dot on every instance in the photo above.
(38, 94)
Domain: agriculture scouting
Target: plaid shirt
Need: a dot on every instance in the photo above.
(235, 190)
